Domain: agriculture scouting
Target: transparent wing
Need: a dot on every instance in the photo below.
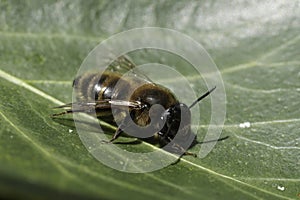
(101, 105)
(123, 64)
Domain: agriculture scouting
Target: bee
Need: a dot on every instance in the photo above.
(127, 101)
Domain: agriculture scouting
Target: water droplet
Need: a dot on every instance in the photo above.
(245, 125)
(281, 188)
(11, 137)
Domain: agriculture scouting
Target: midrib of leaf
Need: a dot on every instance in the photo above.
(21, 83)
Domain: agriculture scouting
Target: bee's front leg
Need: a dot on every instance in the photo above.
(121, 128)
(118, 132)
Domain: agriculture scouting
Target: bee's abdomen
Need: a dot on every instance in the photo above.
(91, 87)
(104, 88)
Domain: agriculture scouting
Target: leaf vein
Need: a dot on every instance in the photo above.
(280, 47)
(265, 144)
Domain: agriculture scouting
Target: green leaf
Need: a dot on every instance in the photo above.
(254, 44)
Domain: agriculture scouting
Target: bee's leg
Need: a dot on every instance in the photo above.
(62, 113)
(123, 125)
(118, 132)
(179, 148)
(183, 153)
(187, 153)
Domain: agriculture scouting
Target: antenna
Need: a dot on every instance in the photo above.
(202, 97)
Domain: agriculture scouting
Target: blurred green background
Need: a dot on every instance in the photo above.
(255, 44)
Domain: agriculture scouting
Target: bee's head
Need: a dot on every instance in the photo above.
(177, 113)
(178, 119)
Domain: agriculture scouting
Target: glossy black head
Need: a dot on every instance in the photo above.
(178, 121)
(178, 124)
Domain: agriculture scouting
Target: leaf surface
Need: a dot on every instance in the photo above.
(254, 44)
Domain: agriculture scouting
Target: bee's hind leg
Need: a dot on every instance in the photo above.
(187, 153)
(178, 148)
(183, 153)
(62, 113)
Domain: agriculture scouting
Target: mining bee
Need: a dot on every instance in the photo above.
(97, 93)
